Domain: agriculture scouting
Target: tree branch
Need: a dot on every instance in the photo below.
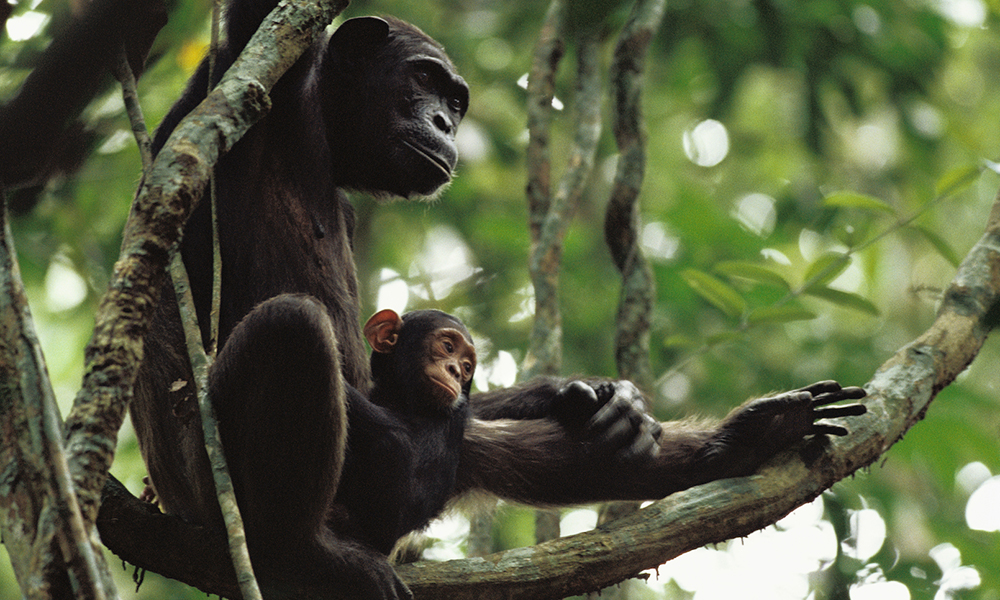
(42, 524)
(621, 225)
(549, 217)
(544, 354)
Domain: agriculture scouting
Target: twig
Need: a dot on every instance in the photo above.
(200, 363)
(543, 355)
(212, 343)
(123, 73)
(548, 52)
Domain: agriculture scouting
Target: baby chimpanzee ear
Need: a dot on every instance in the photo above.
(382, 330)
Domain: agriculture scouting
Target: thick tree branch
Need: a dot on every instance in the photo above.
(43, 527)
(143, 536)
(35, 126)
(52, 552)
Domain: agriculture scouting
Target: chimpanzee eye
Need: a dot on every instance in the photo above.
(449, 347)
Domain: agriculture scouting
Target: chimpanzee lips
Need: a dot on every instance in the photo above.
(446, 390)
(432, 157)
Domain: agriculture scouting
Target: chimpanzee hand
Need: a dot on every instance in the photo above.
(763, 427)
(387, 586)
(148, 493)
(612, 415)
(360, 572)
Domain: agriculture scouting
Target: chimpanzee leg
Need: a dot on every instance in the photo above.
(279, 398)
(281, 404)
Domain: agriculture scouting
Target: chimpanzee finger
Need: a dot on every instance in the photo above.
(653, 427)
(575, 402)
(629, 433)
(607, 415)
(846, 410)
(644, 446)
(580, 391)
(644, 433)
(824, 429)
(847, 393)
(626, 399)
(615, 424)
(821, 387)
(774, 405)
(622, 424)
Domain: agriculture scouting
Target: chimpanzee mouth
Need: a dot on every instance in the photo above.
(446, 391)
(433, 158)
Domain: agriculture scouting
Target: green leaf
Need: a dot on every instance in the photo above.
(722, 338)
(678, 341)
(826, 268)
(956, 180)
(845, 299)
(859, 201)
(717, 293)
(780, 314)
(751, 271)
(943, 247)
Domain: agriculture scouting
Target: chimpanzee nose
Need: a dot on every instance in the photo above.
(443, 123)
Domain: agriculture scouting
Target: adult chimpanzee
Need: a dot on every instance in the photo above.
(375, 107)
(403, 450)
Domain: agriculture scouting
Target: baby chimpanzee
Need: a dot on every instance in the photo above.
(404, 443)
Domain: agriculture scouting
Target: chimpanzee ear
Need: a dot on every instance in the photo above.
(382, 330)
(359, 36)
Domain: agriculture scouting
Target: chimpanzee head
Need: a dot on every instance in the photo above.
(392, 102)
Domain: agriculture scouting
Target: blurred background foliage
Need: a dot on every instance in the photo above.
(758, 113)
